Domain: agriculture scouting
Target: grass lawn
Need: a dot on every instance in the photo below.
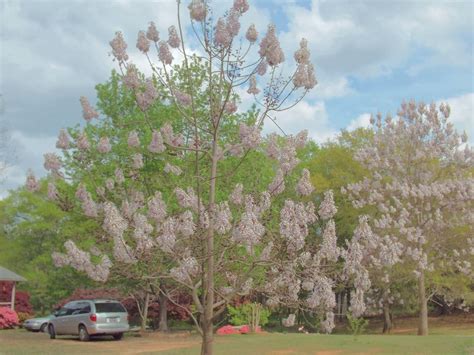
(447, 338)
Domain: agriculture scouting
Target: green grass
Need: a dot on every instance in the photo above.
(21, 342)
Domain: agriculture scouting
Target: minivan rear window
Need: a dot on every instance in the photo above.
(109, 307)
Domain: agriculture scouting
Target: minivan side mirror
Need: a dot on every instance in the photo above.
(55, 313)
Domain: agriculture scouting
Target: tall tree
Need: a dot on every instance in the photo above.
(421, 184)
(212, 237)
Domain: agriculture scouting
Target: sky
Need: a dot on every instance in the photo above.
(369, 56)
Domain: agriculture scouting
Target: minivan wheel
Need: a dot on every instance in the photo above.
(43, 327)
(52, 332)
(83, 334)
(118, 336)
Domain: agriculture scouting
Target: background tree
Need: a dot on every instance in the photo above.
(421, 182)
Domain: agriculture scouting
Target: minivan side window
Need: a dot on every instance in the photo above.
(109, 307)
(82, 308)
(67, 310)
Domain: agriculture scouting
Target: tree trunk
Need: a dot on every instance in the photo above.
(163, 322)
(208, 317)
(207, 338)
(145, 312)
(423, 325)
(387, 319)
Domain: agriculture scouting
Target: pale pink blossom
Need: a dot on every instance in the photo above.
(146, 98)
(173, 37)
(187, 199)
(329, 249)
(197, 10)
(222, 37)
(295, 219)
(289, 321)
(251, 35)
(327, 325)
(270, 48)
(88, 112)
(133, 140)
(52, 162)
(187, 269)
(232, 23)
(253, 90)
(156, 145)
(304, 186)
(172, 169)
(110, 184)
(262, 67)
(249, 136)
(182, 98)
(81, 192)
(131, 79)
(82, 141)
(114, 223)
(164, 53)
(230, 107)
(327, 209)
(157, 208)
(89, 206)
(52, 191)
(63, 140)
(302, 54)
(142, 42)
(236, 196)
(186, 225)
(137, 161)
(104, 145)
(31, 183)
(167, 239)
(119, 178)
(277, 186)
(152, 34)
(221, 218)
(119, 47)
(241, 6)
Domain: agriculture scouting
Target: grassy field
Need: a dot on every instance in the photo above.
(447, 338)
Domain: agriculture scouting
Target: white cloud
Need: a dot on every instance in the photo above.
(462, 113)
(362, 120)
(29, 152)
(305, 115)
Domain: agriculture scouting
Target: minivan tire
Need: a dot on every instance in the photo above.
(52, 332)
(43, 327)
(83, 334)
(118, 336)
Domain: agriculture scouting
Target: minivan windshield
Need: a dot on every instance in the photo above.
(109, 307)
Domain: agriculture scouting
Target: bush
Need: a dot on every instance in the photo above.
(357, 325)
(253, 314)
(8, 318)
(22, 316)
(22, 299)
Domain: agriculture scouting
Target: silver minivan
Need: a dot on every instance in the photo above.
(90, 317)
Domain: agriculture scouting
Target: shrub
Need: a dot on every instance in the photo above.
(22, 316)
(253, 314)
(357, 325)
(22, 298)
(8, 318)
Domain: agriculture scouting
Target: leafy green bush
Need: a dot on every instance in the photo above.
(253, 314)
(357, 325)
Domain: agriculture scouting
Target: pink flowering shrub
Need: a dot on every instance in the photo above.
(8, 318)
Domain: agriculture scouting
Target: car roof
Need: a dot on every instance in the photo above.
(96, 300)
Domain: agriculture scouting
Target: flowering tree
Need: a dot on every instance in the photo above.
(421, 183)
(214, 240)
